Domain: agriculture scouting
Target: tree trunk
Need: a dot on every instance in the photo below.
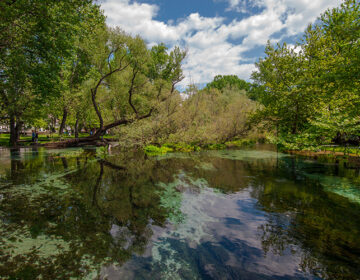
(16, 165)
(77, 127)
(18, 127)
(295, 124)
(63, 121)
(65, 163)
(52, 125)
(13, 138)
(15, 129)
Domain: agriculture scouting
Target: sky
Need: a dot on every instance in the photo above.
(222, 37)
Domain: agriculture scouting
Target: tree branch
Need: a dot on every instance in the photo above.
(125, 121)
(111, 165)
(131, 89)
(94, 90)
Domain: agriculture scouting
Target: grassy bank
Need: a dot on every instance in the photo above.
(313, 147)
(154, 150)
(330, 151)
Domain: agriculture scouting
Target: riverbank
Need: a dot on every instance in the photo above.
(46, 140)
(322, 153)
(337, 152)
(348, 158)
(155, 150)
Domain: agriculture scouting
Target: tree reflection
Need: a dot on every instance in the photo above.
(68, 216)
(307, 220)
(81, 216)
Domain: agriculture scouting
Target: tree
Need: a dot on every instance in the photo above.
(287, 103)
(76, 69)
(130, 79)
(332, 48)
(35, 38)
(314, 90)
(228, 81)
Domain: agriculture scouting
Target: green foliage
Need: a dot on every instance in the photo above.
(228, 81)
(211, 116)
(60, 61)
(345, 150)
(174, 147)
(182, 147)
(206, 116)
(287, 102)
(241, 143)
(310, 94)
(170, 199)
(187, 148)
(215, 146)
(154, 151)
(37, 38)
(304, 141)
(130, 82)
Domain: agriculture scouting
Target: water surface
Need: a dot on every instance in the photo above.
(233, 214)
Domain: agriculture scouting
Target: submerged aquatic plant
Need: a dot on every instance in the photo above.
(170, 199)
(341, 186)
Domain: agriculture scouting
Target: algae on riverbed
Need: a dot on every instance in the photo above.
(212, 214)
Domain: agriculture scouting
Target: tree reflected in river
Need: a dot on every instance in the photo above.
(233, 214)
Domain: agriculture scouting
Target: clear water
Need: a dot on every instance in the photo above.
(234, 214)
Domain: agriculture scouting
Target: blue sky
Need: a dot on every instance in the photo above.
(221, 36)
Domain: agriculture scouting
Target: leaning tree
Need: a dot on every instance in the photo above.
(128, 80)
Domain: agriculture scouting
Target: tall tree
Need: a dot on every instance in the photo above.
(315, 87)
(130, 79)
(35, 38)
(332, 48)
(287, 104)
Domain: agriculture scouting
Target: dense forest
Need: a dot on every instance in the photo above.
(60, 65)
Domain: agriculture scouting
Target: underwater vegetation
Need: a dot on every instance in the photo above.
(249, 213)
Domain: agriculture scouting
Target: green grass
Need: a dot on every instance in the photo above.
(4, 139)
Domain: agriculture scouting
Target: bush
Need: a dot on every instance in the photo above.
(154, 151)
(241, 143)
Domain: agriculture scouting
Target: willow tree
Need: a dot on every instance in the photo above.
(129, 80)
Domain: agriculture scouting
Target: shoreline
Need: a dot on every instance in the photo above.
(321, 153)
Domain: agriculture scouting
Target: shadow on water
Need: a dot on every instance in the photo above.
(249, 214)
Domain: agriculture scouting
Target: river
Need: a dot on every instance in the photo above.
(232, 214)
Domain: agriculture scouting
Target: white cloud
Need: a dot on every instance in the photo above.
(299, 13)
(208, 40)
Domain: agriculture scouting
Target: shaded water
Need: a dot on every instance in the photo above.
(234, 214)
